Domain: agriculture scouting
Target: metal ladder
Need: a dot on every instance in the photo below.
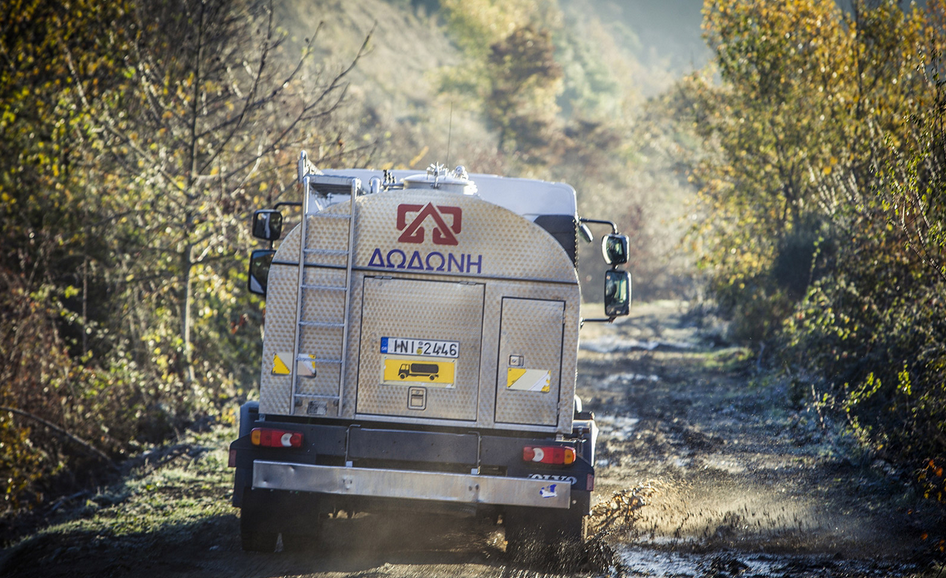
(315, 200)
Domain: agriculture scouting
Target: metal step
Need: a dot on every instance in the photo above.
(338, 252)
(317, 360)
(321, 324)
(325, 287)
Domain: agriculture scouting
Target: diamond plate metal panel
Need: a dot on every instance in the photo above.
(508, 256)
(425, 310)
(493, 364)
(428, 232)
(531, 330)
(278, 330)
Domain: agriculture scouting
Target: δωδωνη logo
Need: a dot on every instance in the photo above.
(442, 234)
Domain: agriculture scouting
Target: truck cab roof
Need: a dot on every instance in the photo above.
(528, 198)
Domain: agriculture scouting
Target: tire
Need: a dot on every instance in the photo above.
(248, 414)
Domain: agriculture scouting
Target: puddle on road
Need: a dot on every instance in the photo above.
(615, 344)
(621, 379)
(659, 564)
(729, 466)
(617, 428)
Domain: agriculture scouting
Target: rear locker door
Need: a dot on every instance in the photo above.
(420, 349)
(530, 354)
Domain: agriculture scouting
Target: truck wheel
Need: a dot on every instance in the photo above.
(402, 375)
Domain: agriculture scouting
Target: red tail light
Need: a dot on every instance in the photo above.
(275, 438)
(549, 454)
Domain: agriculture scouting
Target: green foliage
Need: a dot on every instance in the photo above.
(512, 74)
(552, 89)
(53, 59)
(822, 187)
(808, 92)
(874, 326)
(139, 137)
(525, 82)
(172, 500)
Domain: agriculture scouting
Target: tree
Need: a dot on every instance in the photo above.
(806, 91)
(512, 75)
(825, 162)
(526, 80)
(197, 138)
(51, 248)
(138, 137)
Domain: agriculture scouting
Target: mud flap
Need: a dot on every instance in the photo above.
(532, 530)
(266, 514)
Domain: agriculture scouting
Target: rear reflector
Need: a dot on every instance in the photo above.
(275, 438)
(232, 459)
(549, 454)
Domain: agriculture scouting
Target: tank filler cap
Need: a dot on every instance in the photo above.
(437, 178)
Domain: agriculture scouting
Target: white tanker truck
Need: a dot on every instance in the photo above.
(420, 351)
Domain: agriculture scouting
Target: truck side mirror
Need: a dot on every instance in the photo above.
(267, 224)
(585, 232)
(617, 293)
(260, 261)
(614, 249)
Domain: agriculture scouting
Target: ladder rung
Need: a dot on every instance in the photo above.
(312, 395)
(325, 287)
(326, 251)
(322, 215)
(321, 324)
(317, 359)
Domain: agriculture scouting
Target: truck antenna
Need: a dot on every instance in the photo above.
(449, 134)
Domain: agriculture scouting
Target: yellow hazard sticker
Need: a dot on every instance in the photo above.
(305, 365)
(432, 372)
(519, 379)
(281, 361)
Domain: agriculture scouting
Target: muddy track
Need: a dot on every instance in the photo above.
(734, 478)
(704, 470)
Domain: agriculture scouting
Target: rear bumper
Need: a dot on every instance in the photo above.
(411, 485)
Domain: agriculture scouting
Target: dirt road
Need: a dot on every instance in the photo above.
(735, 478)
(705, 469)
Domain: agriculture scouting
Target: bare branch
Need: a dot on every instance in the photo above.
(55, 428)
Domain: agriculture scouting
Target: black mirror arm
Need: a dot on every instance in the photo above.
(596, 320)
(287, 204)
(614, 228)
